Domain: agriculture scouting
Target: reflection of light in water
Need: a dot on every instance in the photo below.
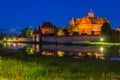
(89, 54)
(97, 55)
(101, 39)
(60, 53)
(29, 50)
(14, 45)
(101, 49)
(37, 48)
(102, 54)
(37, 37)
(46, 53)
(79, 54)
(4, 39)
(115, 59)
(8, 44)
(4, 44)
(14, 39)
(71, 53)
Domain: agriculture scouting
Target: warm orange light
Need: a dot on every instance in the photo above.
(89, 54)
(46, 53)
(60, 53)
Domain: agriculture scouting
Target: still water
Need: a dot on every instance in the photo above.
(98, 52)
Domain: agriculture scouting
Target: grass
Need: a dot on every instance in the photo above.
(55, 68)
(104, 43)
(70, 43)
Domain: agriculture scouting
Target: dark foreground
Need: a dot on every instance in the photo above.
(17, 65)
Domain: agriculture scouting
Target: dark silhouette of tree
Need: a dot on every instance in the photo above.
(66, 30)
(71, 30)
(106, 31)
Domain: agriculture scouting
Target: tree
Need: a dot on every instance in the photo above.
(60, 32)
(106, 31)
(27, 32)
(70, 30)
(66, 30)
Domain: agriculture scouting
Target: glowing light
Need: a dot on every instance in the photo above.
(14, 45)
(89, 54)
(101, 39)
(60, 53)
(101, 49)
(79, 54)
(47, 53)
(4, 39)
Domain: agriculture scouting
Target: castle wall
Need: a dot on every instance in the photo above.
(85, 29)
(72, 39)
(96, 28)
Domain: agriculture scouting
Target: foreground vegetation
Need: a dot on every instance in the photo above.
(34, 67)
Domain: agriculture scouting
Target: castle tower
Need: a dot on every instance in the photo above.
(91, 13)
(34, 34)
(72, 22)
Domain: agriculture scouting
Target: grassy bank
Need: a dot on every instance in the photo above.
(68, 43)
(55, 68)
(76, 43)
(104, 43)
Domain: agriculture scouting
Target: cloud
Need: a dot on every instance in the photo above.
(16, 30)
(13, 31)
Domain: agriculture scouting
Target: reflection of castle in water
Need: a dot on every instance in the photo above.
(61, 50)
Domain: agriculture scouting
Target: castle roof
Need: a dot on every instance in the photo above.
(92, 20)
(47, 25)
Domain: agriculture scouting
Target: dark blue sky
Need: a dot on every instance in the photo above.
(17, 14)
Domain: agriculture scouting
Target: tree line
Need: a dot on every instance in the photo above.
(109, 34)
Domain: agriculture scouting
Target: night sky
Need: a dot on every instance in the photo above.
(15, 15)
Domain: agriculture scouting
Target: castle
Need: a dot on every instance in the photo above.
(45, 28)
(89, 25)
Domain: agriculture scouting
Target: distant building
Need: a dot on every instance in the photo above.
(45, 28)
(89, 25)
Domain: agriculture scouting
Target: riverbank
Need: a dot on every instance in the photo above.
(55, 68)
(67, 43)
